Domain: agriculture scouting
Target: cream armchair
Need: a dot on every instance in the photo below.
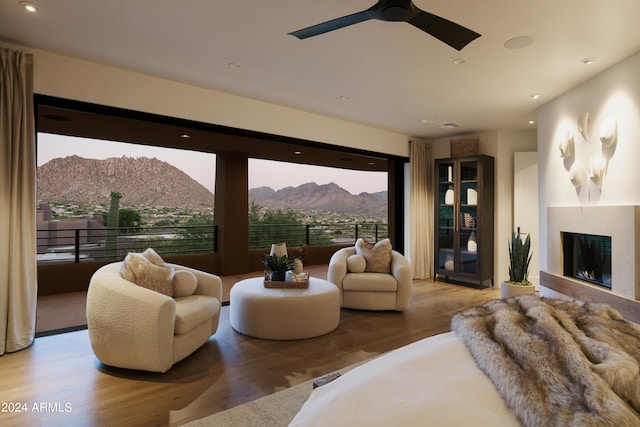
(371, 291)
(138, 328)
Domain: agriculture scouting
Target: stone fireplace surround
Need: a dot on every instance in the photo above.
(622, 223)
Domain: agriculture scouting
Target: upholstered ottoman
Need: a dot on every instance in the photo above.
(284, 314)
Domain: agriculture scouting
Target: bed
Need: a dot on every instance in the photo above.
(524, 361)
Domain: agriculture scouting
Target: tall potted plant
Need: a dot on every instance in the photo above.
(519, 259)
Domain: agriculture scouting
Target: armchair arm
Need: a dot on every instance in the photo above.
(401, 270)
(121, 315)
(338, 266)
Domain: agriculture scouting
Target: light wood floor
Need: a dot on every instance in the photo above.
(61, 372)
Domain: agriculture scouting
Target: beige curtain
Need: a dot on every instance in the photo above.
(421, 209)
(18, 284)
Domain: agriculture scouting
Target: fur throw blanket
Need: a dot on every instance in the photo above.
(557, 363)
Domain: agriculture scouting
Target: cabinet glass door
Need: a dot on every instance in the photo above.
(468, 231)
(446, 217)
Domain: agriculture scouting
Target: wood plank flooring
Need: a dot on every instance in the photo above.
(61, 382)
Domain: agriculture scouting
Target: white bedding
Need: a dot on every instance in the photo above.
(432, 382)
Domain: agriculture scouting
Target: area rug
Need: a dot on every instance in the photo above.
(275, 410)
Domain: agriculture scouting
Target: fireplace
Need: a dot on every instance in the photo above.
(587, 257)
(614, 229)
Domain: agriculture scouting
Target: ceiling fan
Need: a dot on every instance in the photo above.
(444, 30)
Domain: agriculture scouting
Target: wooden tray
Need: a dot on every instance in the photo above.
(286, 284)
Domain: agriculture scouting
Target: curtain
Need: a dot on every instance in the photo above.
(18, 283)
(421, 209)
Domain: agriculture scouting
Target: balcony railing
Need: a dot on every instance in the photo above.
(80, 244)
(263, 235)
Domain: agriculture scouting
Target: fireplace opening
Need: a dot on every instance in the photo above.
(587, 257)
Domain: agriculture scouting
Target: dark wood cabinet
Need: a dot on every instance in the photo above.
(464, 200)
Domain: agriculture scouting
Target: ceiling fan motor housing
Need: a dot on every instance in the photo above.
(397, 10)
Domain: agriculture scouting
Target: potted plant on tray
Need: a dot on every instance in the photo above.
(519, 259)
(277, 266)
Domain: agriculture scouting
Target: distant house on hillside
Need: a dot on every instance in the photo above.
(57, 238)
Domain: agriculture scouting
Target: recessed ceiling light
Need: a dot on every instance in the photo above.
(185, 136)
(371, 163)
(459, 61)
(30, 7)
(297, 153)
(534, 96)
(424, 121)
(519, 42)
(532, 122)
(588, 61)
(449, 125)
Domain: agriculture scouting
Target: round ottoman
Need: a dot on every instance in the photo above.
(284, 314)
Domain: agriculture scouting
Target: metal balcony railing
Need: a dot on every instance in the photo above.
(80, 244)
(263, 235)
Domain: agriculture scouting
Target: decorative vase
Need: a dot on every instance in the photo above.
(297, 266)
(472, 196)
(279, 249)
(472, 244)
(449, 197)
(448, 263)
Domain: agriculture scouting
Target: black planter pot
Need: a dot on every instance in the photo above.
(277, 276)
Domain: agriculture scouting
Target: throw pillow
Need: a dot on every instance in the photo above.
(137, 269)
(356, 264)
(378, 256)
(153, 256)
(184, 283)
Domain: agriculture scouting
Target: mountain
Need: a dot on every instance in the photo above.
(326, 197)
(152, 182)
(141, 180)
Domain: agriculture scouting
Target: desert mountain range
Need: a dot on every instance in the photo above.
(152, 182)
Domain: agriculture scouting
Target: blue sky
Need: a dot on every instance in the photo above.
(201, 166)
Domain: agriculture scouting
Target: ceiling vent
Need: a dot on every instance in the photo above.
(448, 125)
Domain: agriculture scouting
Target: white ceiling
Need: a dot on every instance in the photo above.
(388, 75)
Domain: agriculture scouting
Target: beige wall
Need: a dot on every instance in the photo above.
(71, 78)
(615, 93)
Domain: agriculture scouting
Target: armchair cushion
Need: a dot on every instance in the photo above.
(137, 269)
(193, 310)
(373, 282)
(356, 264)
(377, 256)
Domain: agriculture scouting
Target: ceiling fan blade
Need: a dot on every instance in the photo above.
(444, 30)
(334, 24)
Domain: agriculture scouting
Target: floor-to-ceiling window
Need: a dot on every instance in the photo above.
(163, 199)
(304, 204)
